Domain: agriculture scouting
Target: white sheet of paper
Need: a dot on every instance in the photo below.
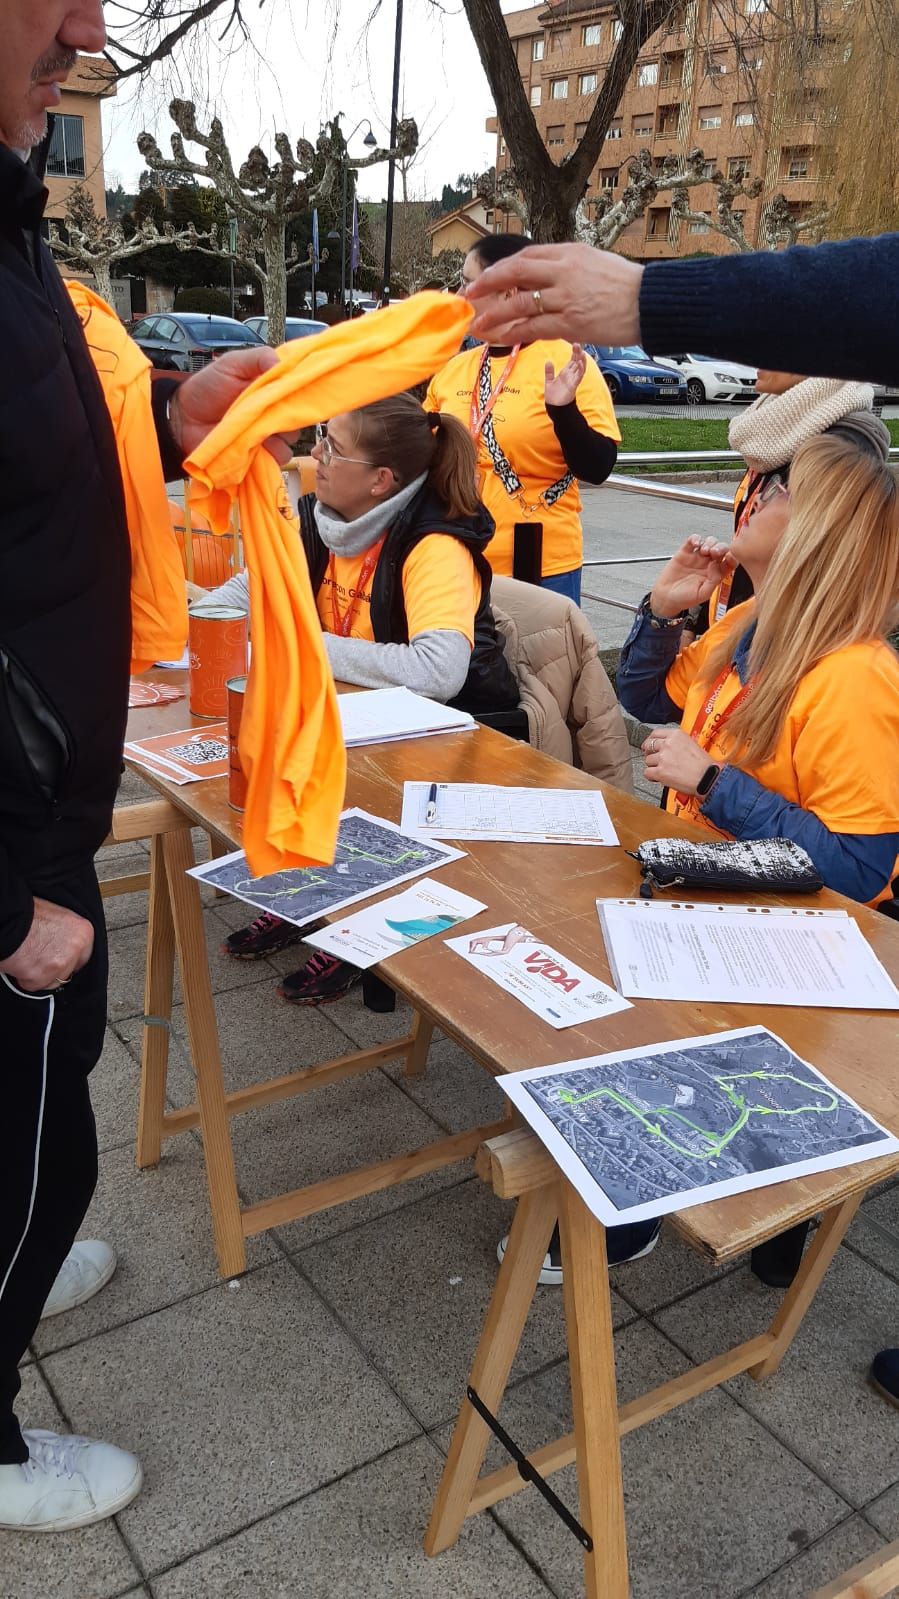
(548, 983)
(394, 924)
(517, 815)
(372, 855)
(654, 1129)
(756, 955)
(379, 715)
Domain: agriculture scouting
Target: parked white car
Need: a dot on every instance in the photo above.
(712, 378)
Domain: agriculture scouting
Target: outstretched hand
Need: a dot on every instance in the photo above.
(558, 291)
(561, 388)
(198, 405)
(691, 576)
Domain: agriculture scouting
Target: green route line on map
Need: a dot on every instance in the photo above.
(716, 1142)
(312, 878)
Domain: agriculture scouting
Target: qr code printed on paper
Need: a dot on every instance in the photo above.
(199, 752)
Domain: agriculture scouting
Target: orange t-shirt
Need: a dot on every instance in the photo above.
(836, 755)
(528, 440)
(441, 589)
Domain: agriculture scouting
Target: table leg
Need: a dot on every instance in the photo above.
(417, 1053)
(202, 1032)
(591, 1354)
(798, 1298)
(529, 1238)
(157, 1011)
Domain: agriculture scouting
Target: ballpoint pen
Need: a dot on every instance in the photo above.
(431, 808)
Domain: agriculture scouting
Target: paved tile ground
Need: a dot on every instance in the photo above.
(292, 1424)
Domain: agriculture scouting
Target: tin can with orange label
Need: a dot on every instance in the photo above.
(237, 781)
(217, 647)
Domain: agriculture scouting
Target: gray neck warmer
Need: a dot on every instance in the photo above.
(351, 538)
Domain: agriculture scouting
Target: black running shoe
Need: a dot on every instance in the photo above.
(321, 980)
(263, 937)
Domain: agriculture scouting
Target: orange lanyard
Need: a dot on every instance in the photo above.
(703, 724)
(477, 417)
(707, 726)
(342, 624)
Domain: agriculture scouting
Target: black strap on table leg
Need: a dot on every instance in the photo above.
(529, 1472)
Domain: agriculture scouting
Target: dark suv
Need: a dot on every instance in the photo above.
(185, 341)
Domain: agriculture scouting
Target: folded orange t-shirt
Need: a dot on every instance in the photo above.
(291, 744)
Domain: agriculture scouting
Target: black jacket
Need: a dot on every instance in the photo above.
(65, 624)
(831, 311)
(490, 684)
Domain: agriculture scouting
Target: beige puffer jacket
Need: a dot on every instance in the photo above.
(570, 704)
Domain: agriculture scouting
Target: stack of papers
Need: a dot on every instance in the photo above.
(380, 715)
(745, 954)
(185, 757)
(517, 815)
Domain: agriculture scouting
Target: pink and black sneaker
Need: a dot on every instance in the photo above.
(263, 937)
(322, 980)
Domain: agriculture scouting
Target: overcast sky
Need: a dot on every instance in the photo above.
(310, 61)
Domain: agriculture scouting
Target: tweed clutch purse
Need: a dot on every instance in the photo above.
(762, 865)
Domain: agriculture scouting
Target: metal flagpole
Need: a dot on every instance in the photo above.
(391, 165)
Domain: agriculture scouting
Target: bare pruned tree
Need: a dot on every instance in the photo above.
(264, 196)
(94, 245)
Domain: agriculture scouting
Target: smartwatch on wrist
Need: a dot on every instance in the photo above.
(708, 780)
(661, 622)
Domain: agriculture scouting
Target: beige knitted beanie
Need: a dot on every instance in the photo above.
(771, 429)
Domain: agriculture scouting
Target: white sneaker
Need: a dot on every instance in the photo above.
(66, 1482)
(86, 1269)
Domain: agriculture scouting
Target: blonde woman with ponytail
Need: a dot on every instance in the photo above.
(789, 705)
(395, 536)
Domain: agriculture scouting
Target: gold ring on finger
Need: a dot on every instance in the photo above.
(537, 298)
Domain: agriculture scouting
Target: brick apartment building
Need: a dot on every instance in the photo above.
(76, 149)
(699, 83)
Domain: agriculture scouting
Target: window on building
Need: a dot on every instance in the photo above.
(555, 136)
(647, 75)
(709, 118)
(590, 35)
(738, 167)
(586, 83)
(580, 129)
(617, 31)
(614, 129)
(708, 168)
(65, 158)
(796, 163)
(608, 177)
(754, 8)
(672, 74)
(537, 49)
(488, 219)
(560, 40)
(715, 66)
(700, 224)
(657, 222)
(558, 89)
(641, 127)
(536, 93)
(669, 117)
(750, 60)
(744, 116)
(502, 146)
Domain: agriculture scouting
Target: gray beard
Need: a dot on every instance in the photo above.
(27, 136)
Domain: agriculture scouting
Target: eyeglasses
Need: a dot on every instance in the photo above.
(328, 449)
(769, 491)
